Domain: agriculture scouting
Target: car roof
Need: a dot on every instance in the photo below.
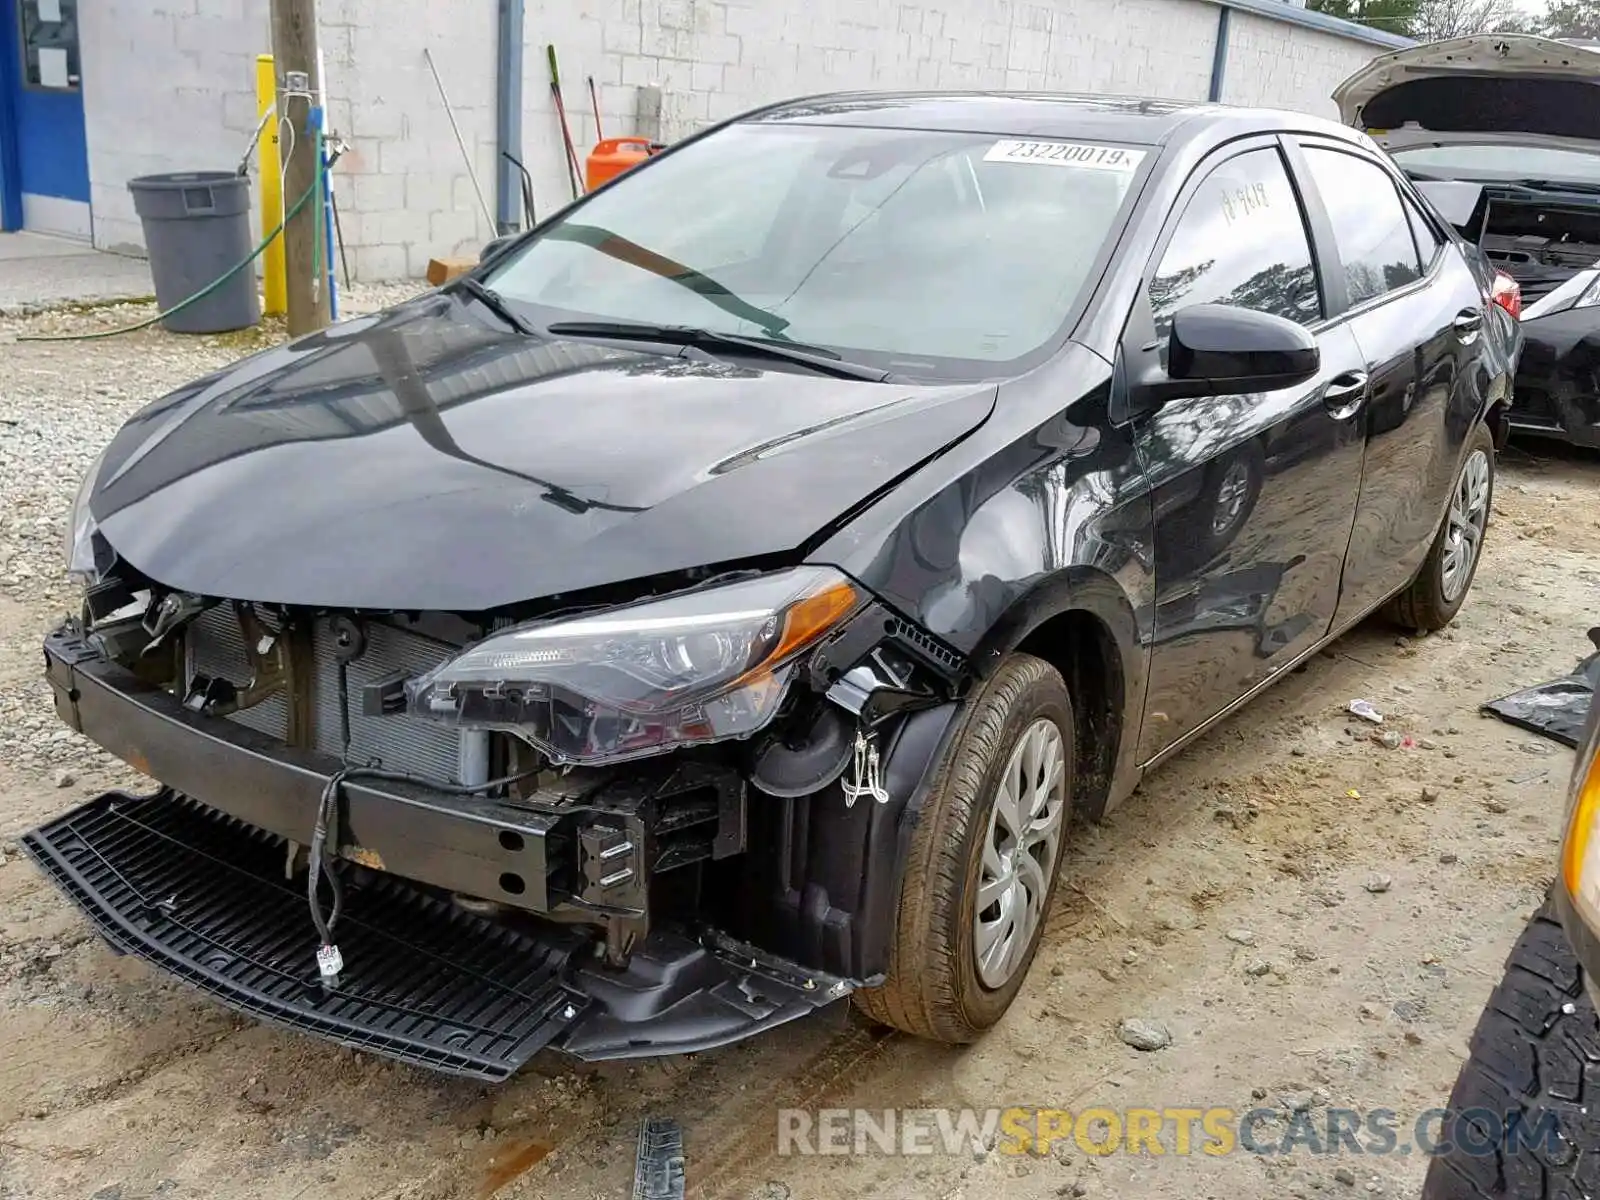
(1142, 120)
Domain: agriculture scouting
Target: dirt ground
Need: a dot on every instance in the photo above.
(119, 1084)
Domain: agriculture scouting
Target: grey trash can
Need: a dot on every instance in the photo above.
(196, 229)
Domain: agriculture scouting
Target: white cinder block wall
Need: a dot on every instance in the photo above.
(404, 195)
(1282, 66)
(168, 85)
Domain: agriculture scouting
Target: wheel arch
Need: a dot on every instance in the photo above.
(1083, 624)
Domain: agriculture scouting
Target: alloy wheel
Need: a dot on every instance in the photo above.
(1469, 516)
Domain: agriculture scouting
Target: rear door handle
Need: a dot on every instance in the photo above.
(1345, 395)
(1467, 323)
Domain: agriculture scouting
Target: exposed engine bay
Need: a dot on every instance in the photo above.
(1541, 245)
(535, 807)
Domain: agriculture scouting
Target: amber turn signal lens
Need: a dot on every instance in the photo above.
(810, 618)
(1580, 833)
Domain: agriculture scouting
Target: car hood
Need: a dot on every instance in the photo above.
(424, 459)
(1513, 87)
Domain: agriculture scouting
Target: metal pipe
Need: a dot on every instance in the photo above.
(1219, 59)
(508, 118)
(461, 142)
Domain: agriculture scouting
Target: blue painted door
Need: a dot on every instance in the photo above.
(44, 160)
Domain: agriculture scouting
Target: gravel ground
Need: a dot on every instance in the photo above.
(1312, 918)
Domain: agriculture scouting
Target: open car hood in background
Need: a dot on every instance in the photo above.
(1493, 87)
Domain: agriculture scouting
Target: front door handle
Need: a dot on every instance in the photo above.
(1467, 323)
(1345, 395)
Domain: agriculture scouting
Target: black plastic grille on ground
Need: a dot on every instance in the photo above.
(204, 896)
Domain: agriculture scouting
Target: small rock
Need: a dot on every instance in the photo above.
(1448, 859)
(1058, 970)
(1305, 954)
(1427, 744)
(1297, 1101)
(1144, 1035)
(1258, 967)
(1388, 739)
(1495, 806)
(112, 1191)
(1259, 1093)
(1345, 1176)
(1129, 957)
(64, 778)
(1536, 748)
(1427, 796)
(1377, 883)
(1241, 937)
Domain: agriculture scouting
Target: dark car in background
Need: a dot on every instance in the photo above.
(719, 602)
(1520, 116)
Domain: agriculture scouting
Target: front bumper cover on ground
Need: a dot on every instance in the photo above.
(192, 879)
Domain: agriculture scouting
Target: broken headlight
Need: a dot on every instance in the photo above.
(695, 667)
(81, 529)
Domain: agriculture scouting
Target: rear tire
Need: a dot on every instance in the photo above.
(1018, 726)
(1432, 600)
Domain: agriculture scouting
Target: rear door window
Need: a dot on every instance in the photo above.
(1241, 241)
(1370, 226)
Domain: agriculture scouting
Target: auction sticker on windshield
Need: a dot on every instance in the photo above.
(1066, 154)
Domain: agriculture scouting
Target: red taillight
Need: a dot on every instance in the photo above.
(1507, 294)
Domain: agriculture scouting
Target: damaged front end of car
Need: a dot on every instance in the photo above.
(618, 828)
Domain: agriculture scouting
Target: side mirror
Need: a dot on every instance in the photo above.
(497, 245)
(1215, 349)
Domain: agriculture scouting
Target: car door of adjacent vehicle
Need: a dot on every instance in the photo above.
(1417, 312)
(1253, 494)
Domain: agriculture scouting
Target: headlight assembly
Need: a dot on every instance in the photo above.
(79, 549)
(1590, 296)
(687, 669)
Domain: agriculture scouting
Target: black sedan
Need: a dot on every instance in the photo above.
(722, 600)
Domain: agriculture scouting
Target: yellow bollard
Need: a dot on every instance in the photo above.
(275, 282)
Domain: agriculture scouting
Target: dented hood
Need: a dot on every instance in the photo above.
(423, 459)
(1512, 87)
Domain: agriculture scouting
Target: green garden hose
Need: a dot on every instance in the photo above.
(305, 199)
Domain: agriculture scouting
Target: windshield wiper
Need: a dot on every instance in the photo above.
(493, 301)
(1556, 185)
(817, 358)
(620, 248)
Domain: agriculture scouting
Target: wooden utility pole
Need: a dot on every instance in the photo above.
(294, 55)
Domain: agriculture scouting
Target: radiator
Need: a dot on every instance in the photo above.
(439, 753)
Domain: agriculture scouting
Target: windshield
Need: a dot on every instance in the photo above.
(954, 255)
(1502, 162)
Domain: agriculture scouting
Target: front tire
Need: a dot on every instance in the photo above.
(1436, 595)
(1526, 1079)
(984, 860)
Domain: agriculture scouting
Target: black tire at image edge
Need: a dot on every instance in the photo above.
(1527, 1061)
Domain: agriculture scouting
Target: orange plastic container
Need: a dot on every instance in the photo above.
(613, 156)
